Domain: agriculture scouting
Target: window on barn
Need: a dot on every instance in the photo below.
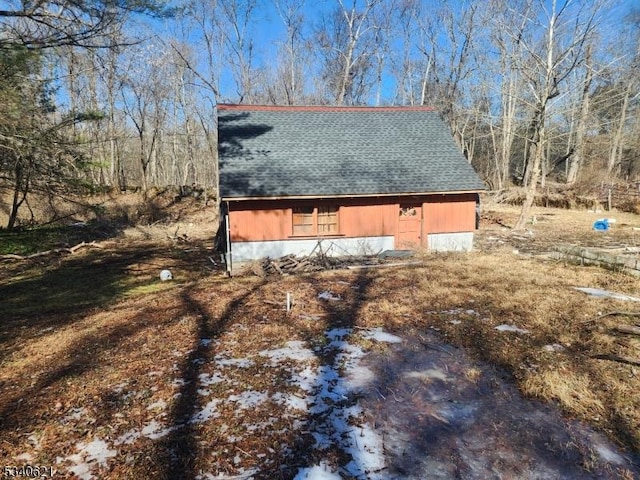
(322, 220)
(327, 220)
(303, 223)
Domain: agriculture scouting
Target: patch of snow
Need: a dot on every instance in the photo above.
(428, 374)
(458, 311)
(337, 333)
(598, 292)
(81, 470)
(155, 430)
(205, 342)
(292, 402)
(379, 335)
(35, 441)
(178, 382)
(510, 328)
(359, 377)
(27, 457)
(233, 362)
(160, 404)
(119, 388)
(455, 322)
(607, 454)
(243, 475)
(337, 415)
(249, 399)
(76, 414)
(327, 295)
(209, 411)
(306, 379)
(367, 452)
(317, 472)
(89, 455)
(207, 379)
(293, 350)
(127, 438)
(554, 347)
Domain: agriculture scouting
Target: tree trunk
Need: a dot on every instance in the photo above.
(615, 153)
(577, 158)
(538, 152)
(20, 190)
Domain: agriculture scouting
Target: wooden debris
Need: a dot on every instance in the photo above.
(614, 313)
(178, 238)
(618, 358)
(71, 250)
(627, 329)
(316, 261)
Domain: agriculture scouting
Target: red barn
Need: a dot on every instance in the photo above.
(357, 180)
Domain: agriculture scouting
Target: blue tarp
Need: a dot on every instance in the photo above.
(601, 225)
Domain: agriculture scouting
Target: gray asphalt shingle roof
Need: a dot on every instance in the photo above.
(292, 151)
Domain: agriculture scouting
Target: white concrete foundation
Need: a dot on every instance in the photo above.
(243, 251)
(450, 242)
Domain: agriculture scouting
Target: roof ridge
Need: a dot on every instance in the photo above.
(321, 108)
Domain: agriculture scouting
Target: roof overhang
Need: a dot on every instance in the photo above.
(328, 197)
(320, 108)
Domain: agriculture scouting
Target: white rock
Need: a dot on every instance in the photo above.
(166, 275)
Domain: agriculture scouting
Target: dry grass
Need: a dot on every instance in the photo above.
(99, 367)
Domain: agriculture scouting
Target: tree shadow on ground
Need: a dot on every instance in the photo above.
(328, 426)
(56, 300)
(446, 416)
(176, 455)
(42, 296)
(23, 406)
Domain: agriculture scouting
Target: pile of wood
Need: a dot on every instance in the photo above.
(283, 265)
(290, 264)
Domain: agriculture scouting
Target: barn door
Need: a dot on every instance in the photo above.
(409, 226)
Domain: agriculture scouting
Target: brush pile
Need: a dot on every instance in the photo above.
(290, 264)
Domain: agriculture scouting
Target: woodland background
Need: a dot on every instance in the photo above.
(111, 95)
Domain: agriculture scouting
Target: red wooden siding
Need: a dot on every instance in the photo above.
(361, 220)
(251, 221)
(358, 217)
(449, 213)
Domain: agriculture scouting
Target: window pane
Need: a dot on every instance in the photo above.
(303, 221)
(327, 220)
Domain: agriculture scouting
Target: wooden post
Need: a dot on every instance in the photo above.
(228, 240)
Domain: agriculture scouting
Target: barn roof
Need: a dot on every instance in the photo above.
(267, 151)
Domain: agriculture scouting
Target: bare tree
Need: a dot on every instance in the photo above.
(144, 93)
(289, 76)
(578, 157)
(548, 62)
(81, 23)
(346, 42)
(235, 20)
(509, 52)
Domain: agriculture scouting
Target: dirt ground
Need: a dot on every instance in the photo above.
(481, 365)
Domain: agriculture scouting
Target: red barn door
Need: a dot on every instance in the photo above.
(409, 226)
